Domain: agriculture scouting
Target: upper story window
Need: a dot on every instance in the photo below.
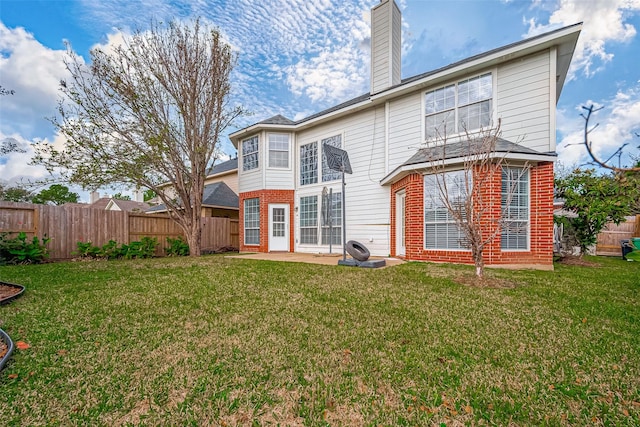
(465, 105)
(278, 150)
(250, 153)
(328, 174)
(309, 163)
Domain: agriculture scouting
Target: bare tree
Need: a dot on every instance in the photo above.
(148, 114)
(589, 145)
(461, 191)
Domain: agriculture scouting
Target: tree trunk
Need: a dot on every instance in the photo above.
(478, 261)
(194, 237)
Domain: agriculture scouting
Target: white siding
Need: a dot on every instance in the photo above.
(522, 99)
(277, 178)
(231, 179)
(367, 202)
(254, 179)
(405, 128)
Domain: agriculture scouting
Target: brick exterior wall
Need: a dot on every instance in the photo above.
(266, 197)
(541, 221)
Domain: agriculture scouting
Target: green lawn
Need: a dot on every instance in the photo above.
(218, 341)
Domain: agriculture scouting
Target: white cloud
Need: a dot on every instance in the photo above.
(33, 72)
(15, 167)
(330, 76)
(618, 122)
(604, 22)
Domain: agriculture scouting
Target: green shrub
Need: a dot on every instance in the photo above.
(177, 247)
(19, 250)
(145, 248)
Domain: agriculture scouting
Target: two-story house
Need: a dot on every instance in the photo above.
(389, 135)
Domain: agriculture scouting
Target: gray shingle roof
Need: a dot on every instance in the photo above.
(227, 166)
(466, 148)
(277, 120)
(217, 194)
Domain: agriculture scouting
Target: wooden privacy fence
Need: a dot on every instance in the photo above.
(66, 226)
(609, 239)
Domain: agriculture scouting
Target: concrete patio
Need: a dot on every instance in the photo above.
(326, 259)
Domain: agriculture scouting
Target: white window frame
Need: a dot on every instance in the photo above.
(516, 207)
(451, 112)
(251, 219)
(311, 222)
(254, 162)
(274, 149)
(312, 173)
(329, 175)
(316, 220)
(437, 217)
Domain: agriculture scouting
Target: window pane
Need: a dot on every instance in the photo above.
(328, 174)
(332, 212)
(441, 229)
(309, 163)
(440, 125)
(278, 150)
(515, 208)
(309, 220)
(252, 221)
(250, 153)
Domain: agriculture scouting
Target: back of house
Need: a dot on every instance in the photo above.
(290, 199)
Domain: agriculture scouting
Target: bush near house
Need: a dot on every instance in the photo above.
(145, 248)
(20, 250)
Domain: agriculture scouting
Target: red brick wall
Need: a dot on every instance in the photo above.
(266, 197)
(541, 221)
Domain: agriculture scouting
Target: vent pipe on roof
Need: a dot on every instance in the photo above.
(386, 44)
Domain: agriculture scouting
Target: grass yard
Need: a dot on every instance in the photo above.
(218, 341)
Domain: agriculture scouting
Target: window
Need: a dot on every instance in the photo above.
(332, 211)
(309, 220)
(328, 174)
(315, 216)
(465, 105)
(250, 153)
(309, 163)
(440, 228)
(515, 208)
(278, 150)
(252, 221)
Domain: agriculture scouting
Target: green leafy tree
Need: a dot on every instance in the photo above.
(596, 200)
(15, 194)
(149, 194)
(148, 114)
(120, 196)
(57, 194)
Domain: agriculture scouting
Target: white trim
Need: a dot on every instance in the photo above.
(268, 151)
(287, 228)
(387, 120)
(404, 170)
(401, 231)
(552, 97)
(528, 248)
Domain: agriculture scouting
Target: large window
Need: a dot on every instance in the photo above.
(328, 174)
(309, 163)
(465, 105)
(515, 208)
(315, 214)
(309, 220)
(252, 221)
(278, 150)
(332, 213)
(250, 154)
(440, 228)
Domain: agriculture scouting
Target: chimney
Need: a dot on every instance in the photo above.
(94, 196)
(386, 32)
(138, 195)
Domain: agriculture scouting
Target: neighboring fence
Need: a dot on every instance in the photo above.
(609, 239)
(66, 226)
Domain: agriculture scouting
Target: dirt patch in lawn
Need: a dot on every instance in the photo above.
(7, 291)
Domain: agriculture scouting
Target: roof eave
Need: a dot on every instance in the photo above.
(404, 170)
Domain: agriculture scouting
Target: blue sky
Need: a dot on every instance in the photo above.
(297, 57)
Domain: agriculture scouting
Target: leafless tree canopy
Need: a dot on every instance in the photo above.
(148, 113)
(464, 197)
(589, 145)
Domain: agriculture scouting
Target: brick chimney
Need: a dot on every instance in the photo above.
(386, 44)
